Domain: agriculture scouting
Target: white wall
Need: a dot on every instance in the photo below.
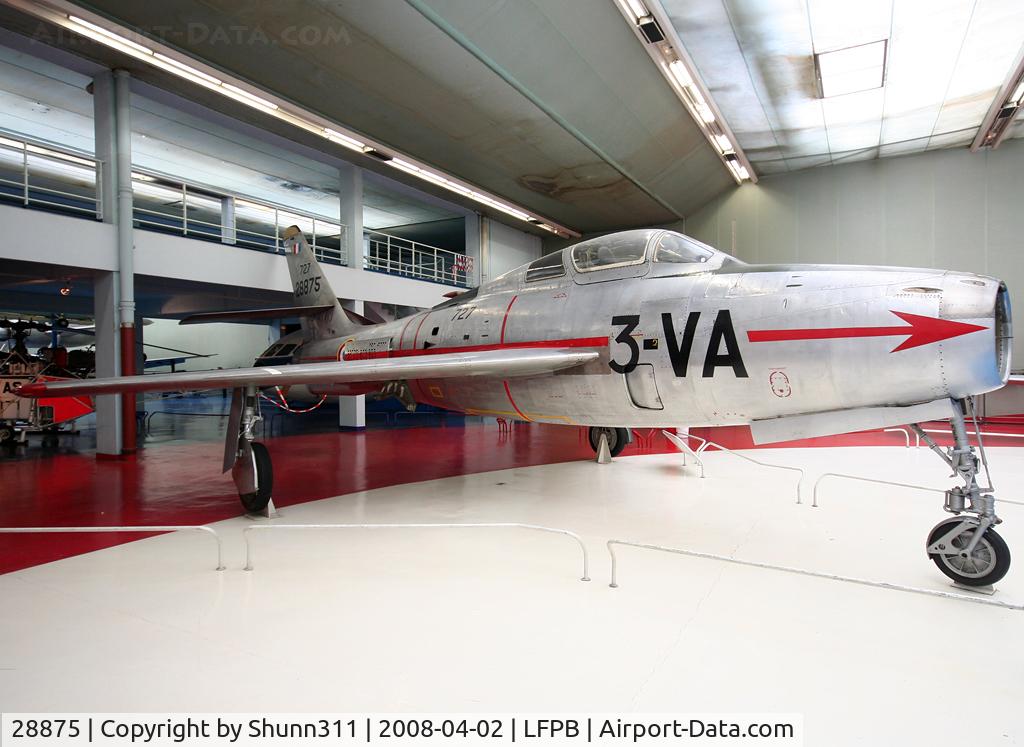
(949, 209)
(507, 248)
(231, 345)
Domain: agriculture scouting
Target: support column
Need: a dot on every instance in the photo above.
(125, 250)
(485, 249)
(472, 223)
(228, 232)
(352, 410)
(107, 285)
(108, 363)
(350, 184)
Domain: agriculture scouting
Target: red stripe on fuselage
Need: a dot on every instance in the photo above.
(513, 402)
(416, 337)
(504, 320)
(579, 342)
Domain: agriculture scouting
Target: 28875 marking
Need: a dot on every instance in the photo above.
(307, 285)
(46, 728)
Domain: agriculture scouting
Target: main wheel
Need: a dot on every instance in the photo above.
(986, 565)
(617, 439)
(257, 501)
(8, 435)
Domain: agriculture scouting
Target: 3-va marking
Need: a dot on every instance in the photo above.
(722, 335)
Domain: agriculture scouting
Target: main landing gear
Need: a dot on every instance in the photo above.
(248, 460)
(965, 547)
(617, 439)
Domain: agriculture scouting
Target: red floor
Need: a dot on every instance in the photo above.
(182, 483)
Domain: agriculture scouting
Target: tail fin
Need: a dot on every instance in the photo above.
(310, 288)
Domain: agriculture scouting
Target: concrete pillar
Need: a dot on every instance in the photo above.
(352, 410)
(106, 285)
(473, 248)
(125, 249)
(228, 233)
(350, 183)
(485, 249)
(108, 362)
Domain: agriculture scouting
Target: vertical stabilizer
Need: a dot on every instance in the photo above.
(310, 288)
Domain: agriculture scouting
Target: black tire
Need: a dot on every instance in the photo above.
(987, 565)
(7, 435)
(617, 439)
(256, 502)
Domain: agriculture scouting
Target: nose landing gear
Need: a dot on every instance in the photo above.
(967, 548)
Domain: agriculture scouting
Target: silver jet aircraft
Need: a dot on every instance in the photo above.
(650, 328)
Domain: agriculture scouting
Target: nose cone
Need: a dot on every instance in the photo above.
(978, 362)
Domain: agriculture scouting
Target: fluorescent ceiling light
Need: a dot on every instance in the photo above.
(739, 169)
(1018, 93)
(637, 8)
(343, 139)
(180, 68)
(229, 89)
(680, 73)
(102, 35)
(723, 143)
(853, 69)
(704, 111)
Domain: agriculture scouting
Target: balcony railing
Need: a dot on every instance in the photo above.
(38, 174)
(397, 256)
(172, 205)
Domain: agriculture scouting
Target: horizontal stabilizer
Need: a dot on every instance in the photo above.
(253, 315)
(502, 363)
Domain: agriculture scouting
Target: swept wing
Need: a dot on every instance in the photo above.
(501, 363)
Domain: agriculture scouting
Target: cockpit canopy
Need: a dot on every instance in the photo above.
(626, 249)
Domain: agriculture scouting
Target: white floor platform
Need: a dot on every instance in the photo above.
(498, 620)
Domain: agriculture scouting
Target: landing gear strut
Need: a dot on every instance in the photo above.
(966, 547)
(248, 460)
(617, 439)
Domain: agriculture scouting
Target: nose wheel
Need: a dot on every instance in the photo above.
(953, 549)
(966, 547)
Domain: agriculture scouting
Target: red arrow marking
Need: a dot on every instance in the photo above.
(921, 330)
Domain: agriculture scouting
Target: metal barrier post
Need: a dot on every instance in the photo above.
(250, 551)
(705, 444)
(899, 430)
(685, 448)
(123, 530)
(844, 476)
